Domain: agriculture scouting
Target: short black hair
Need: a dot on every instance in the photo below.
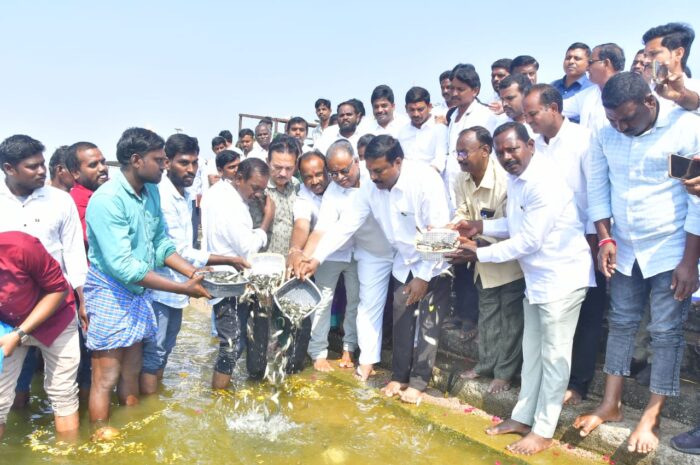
(444, 75)
(359, 106)
(225, 157)
(226, 134)
(58, 158)
(245, 132)
(580, 46)
(283, 143)
(72, 162)
(322, 101)
(297, 120)
(523, 60)
(417, 94)
(351, 103)
(548, 95)
(384, 146)
(266, 120)
(467, 74)
(520, 130)
(218, 140)
(518, 79)
(311, 154)
(674, 35)
(333, 119)
(16, 148)
(380, 92)
(502, 63)
(181, 143)
(483, 136)
(613, 53)
(624, 87)
(138, 141)
(363, 141)
(250, 166)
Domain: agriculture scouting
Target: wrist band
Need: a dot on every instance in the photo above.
(607, 240)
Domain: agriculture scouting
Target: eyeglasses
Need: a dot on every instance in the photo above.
(345, 171)
(590, 62)
(465, 154)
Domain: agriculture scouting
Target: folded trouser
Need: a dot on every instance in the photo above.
(374, 274)
(409, 364)
(326, 278)
(61, 360)
(500, 329)
(628, 298)
(547, 342)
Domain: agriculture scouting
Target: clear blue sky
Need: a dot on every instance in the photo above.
(87, 70)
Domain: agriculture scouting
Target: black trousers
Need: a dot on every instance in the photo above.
(409, 364)
(587, 337)
(466, 305)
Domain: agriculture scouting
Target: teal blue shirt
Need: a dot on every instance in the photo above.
(126, 232)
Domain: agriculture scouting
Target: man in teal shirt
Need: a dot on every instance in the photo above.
(127, 238)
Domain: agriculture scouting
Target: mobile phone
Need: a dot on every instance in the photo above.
(680, 167)
(659, 72)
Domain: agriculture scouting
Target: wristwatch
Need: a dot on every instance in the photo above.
(22, 335)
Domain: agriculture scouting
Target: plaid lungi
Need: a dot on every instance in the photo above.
(118, 317)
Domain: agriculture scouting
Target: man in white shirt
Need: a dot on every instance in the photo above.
(246, 140)
(228, 231)
(566, 145)
(323, 112)
(386, 120)
(183, 153)
(423, 140)
(544, 234)
(649, 240)
(512, 91)
(263, 137)
(606, 61)
(405, 197)
(347, 128)
(499, 70)
(298, 128)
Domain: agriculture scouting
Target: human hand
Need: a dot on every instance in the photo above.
(239, 263)
(669, 85)
(441, 119)
(416, 290)
(496, 107)
(692, 185)
(607, 259)
(684, 280)
(82, 316)
(466, 252)
(468, 229)
(307, 267)
(193, 287)
(9, 342)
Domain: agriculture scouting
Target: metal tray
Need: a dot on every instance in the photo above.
(224, 289)
(300, 292)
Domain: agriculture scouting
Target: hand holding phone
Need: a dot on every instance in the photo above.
(680, 167)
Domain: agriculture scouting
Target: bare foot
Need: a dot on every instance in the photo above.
(321, 364)
(509, 426)
(530, 444)
(498, 385)
(411, 395)
(393, 388)
(346, 360)
(572, 397)
(604, 413)
(469, 374)
(645, 437)
(363, 372)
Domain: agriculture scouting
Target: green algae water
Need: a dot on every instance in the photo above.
(317, 419)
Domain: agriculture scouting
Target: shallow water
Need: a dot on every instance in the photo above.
(318, 419)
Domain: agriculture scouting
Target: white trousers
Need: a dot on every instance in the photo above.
(374, 274)
(548, 338)
(326, 277)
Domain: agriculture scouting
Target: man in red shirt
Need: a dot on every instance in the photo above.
(37, 301)
(89, 169)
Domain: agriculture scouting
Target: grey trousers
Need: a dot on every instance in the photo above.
(500, 329)
(409, 364)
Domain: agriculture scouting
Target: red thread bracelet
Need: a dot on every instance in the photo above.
(607, 240)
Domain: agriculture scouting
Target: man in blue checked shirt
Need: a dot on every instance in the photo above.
(651, 252)
(127, 239)
(182, 152)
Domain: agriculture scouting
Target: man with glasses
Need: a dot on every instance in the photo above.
(480, 191)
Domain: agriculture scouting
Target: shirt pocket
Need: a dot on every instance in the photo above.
(405, 217)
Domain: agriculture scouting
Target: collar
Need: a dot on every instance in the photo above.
(36, 193)
(168, 187)
(79, 188)
(531, 171)
(289, 189)
(124, 184)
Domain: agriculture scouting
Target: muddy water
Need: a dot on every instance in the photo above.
(319, 420)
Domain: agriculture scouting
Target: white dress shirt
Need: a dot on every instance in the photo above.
(545, 234)
(588, 105)
(258, 152)
(307, 206)
(226, 223)
(629, 182)
(177, 213)
(332, 134)
(569, 151)
(370, 125)
(50, 215)
(417, 200)
(207, 163)
(369, 237)
(427, 144)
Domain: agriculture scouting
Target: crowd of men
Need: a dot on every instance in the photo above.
(558, 191)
